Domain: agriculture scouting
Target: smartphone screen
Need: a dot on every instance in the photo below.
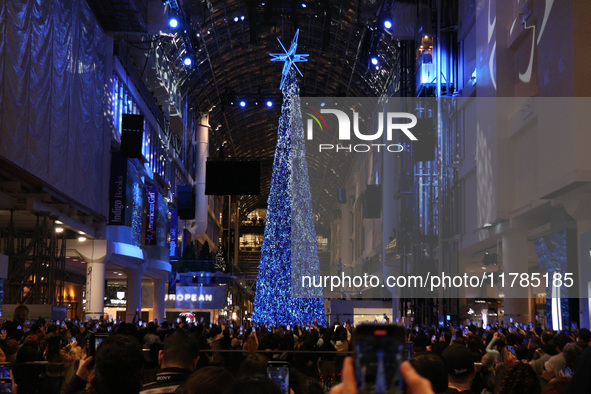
(5, 385)
(379, 350)
(278, 372)
(5, 370)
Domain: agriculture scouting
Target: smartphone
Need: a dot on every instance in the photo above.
(19, 327)
(433, 338)
(5, 370)
(94, 342)
(73, 339)
(141, 323)
(511, 349)
(278, 372)
(5, 385)
(379, 351)
(568, 372)
(109, 328)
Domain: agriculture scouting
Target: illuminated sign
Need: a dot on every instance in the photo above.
(174, 233)
(117, 189)
(188, 297)
(197, 297)
(151, 207)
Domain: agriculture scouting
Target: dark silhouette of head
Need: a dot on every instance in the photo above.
(118, 366)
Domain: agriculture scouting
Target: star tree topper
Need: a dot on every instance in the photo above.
(289, 57)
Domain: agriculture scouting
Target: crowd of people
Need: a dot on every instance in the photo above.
(64, 357)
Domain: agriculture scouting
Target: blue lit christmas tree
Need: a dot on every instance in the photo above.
(289, 247)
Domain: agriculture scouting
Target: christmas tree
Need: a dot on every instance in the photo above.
(220, 261)
(289, 246)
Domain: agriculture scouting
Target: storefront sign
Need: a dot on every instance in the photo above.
(197, 297)
(117, 189)
(115, 296)
(151, 212)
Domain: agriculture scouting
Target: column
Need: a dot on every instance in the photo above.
(159, 293)
(389, 220)
(514, 252)
(95, 253)
(95, 287)
(134, 293)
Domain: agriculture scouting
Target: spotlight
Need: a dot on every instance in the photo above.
(374, 61)
(235, 19)
(59, 229)
(243, 103)
(81, 238)
(303, 5)
(241, 17)
(173, 22)
(187, 61)
(269, 103)
(388, 24)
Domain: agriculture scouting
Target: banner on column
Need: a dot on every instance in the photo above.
(117, 190)
(173, 279)
(174, 233)
(151, 213)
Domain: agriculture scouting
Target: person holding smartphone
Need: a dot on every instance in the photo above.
(495, 347)
(413, 382)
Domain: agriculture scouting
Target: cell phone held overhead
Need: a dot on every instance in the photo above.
(278, 372)
(379, 351)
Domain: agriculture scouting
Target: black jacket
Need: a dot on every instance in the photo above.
(167, 381)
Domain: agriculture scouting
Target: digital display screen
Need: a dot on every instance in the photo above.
(280, 375)
(377, 361)
(4, 370)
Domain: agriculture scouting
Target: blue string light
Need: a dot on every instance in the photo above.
(289, 247)
(289, 57)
